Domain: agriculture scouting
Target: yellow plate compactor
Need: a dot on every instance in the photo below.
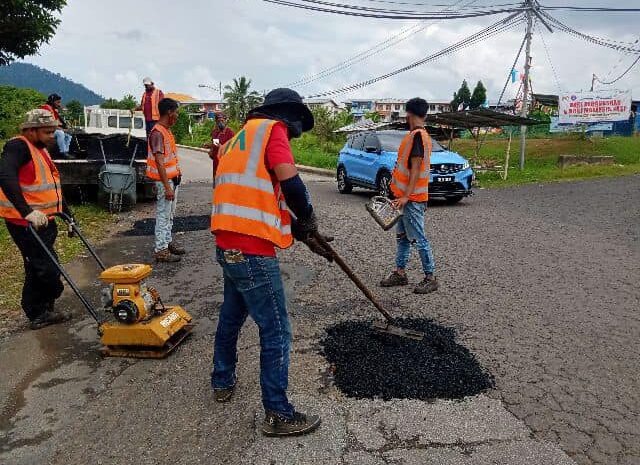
(144, 327)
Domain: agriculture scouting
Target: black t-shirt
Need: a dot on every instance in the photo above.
(417, 149)
(15, 155)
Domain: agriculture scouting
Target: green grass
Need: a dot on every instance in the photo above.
(94, 223)
(541, 157)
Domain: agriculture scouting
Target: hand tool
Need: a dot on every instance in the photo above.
(386, 326)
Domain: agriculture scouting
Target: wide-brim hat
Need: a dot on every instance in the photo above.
(286, 99)
(39, 118)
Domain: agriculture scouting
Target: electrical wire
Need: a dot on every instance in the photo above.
(364, 12)
(546, 51)
(494, 29)
(619, 46)
(367, 54)
(592, 9)
(635, 62)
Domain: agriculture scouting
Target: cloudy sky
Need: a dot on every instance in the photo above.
(110, 46)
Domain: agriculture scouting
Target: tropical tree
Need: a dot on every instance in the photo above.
(240, 99)
(128, 102)
(14, 103)
(74, 112)
(373, 116)
(463, 96)
(478, 97)
(25, 26)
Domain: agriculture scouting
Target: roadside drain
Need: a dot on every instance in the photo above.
(146, 226)
(366, 364)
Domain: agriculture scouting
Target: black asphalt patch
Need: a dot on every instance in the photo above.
(367, 364)
(146, 226)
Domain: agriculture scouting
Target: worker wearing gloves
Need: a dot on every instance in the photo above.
(30, 193)
(410, 189)
(149, 104)
(163, 167)
(63, 139)
(256, 184)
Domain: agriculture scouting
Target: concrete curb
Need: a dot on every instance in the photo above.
(301, 168)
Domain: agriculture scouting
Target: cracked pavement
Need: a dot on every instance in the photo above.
(540, 281)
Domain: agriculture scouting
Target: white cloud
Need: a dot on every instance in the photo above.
(110, 46)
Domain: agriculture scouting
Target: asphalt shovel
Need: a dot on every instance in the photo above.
(387, 326)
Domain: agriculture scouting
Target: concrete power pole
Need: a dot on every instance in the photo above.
(527, 68)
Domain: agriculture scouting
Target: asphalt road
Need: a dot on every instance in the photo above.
(541, 283)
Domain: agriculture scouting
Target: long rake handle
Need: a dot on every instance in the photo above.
(349, 272)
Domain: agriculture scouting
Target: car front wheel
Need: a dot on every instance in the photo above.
(344, 185)
(384, 181)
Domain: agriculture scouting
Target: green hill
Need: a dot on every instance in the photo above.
(33, 77)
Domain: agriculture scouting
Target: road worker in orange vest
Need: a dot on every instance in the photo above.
(163, 166)
(30, 194)
(256, 187)
(149, 104)
(410, 189)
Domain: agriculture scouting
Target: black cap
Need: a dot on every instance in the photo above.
(53, 97)
(288, 100)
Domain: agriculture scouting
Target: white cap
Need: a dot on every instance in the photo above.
(147, 81)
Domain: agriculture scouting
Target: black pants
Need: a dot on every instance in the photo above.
(42, 284)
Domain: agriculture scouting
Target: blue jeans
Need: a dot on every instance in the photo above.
(149, 126)
(165, 212)
(253, 286)
(63, 140)
(410, 230)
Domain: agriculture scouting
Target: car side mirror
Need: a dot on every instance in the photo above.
(371, 149)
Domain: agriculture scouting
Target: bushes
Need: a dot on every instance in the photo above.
(14, 103)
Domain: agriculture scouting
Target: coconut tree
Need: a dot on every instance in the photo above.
(239, 98)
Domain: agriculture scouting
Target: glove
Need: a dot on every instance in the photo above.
(303, 230)
(316, 247)
(37, 219)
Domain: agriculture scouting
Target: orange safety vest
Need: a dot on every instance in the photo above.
(401, 173)
(171, 163)
(245, 200)
(44, 193)
(155, 99)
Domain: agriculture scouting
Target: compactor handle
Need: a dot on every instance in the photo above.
(74, 227)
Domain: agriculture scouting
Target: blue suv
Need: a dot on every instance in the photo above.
(368, 158)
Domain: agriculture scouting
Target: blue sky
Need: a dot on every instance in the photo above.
(110, 46)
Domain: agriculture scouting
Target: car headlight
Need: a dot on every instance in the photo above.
(465, 165)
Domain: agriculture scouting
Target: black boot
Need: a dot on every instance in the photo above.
(277, 425)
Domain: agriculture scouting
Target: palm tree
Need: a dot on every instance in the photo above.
(239, 99)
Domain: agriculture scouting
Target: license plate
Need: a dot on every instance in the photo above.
(444, 179)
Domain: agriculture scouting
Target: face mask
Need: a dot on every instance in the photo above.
(221, 125)
(295, 129)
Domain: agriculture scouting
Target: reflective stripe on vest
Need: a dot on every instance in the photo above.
(43, 194)
(402, 174)
(244, 198)
(171, 161)
(155, 99)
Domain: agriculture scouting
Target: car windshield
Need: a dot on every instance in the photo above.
(390, 142)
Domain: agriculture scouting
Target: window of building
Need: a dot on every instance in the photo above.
(388, 107)
(397, 107)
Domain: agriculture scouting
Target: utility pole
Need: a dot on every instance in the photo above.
(593, 81)
(527, 68)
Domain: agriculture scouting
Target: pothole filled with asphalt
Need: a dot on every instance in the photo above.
(367, 364)
(146, 226)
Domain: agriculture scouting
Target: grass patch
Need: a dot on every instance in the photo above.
(94, 223)
(541, 157)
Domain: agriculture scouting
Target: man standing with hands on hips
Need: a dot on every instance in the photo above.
(30, 193)
(164, 168)
(410, 190)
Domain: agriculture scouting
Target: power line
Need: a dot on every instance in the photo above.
(620, 46)
(546, 51)
(496, 28)
(635, 62)
(592, 9)
(364, 12)
(367, 54)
